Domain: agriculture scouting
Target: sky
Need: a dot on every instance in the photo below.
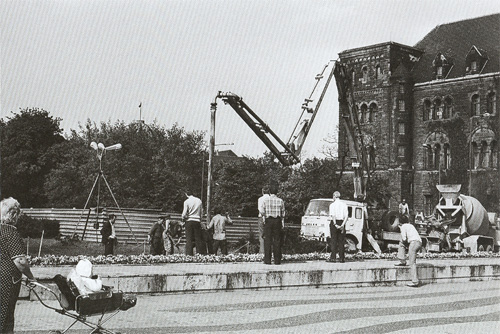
(100, 59)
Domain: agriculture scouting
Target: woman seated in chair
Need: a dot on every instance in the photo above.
(84, 279)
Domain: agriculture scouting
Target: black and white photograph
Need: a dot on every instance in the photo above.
(249, 166)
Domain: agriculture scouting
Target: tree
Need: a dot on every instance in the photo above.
(26, 137)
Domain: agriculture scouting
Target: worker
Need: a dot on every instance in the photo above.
(404, 210)
(411, 239)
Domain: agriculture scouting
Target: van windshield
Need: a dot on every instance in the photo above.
(318, 208)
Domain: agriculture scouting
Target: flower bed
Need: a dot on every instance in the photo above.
(52, 260)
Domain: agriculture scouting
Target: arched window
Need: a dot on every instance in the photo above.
(371, 157)
(475, 155)
(362, 113)
(448, 108)
(365, 74)
(438, 109)
(373, 112)
(493, 154)
(427, 110)
(353, 76)
(475, 106)
(428, 157)
(446, 156)
(378, 73)
(437, 157)
(483, 156)
(492, 103)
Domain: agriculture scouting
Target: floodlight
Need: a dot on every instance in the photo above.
(93, 145)
(114, 147)
(101, 146)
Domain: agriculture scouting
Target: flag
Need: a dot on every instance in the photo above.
(140, 104)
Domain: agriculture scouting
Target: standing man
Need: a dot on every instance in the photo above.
(218, 223)
(410, 238)
(265, 194)
(338, 219)
(191, 215)
(404, 210)
(273, 214)
(155, 236)
(108, 235)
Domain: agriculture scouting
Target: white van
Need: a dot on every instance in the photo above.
(315, 224)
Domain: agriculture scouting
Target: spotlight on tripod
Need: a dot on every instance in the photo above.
(100, 150)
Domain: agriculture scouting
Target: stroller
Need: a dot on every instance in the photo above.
(79, 307)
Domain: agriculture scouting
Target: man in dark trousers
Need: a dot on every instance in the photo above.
(338, 218)
(272, 210)
(155, 236)
(191, 215)
(109, 235)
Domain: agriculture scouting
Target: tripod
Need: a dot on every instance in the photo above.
(100, 175)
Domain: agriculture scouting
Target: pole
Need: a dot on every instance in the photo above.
(41, 242)
(470, 156)
(202, 174)
(213, 108)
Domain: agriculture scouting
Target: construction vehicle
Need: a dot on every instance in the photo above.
(287, 153)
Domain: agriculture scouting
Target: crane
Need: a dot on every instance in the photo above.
(287, 153)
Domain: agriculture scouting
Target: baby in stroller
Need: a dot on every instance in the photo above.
(84, 295)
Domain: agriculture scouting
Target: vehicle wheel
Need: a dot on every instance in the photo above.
(489, 248)
(350, 245)
(480, 248)
(390, 221)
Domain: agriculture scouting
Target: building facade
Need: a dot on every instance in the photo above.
(429, 113)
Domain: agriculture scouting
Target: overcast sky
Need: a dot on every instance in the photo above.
(100, 59)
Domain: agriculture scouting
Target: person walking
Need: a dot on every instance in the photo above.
(265, 194)
(218, 223)
(13, 263)
(155, 236)
(191, 215)
(411, 239)
(109, 235)
(272, 210)
(338, 218)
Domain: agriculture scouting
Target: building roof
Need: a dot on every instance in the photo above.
(454, 41)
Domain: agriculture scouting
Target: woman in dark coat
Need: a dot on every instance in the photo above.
(13, 263)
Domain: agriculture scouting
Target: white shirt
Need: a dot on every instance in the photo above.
(260, 202)
(192, 209)
(338, 210)
(409, 233)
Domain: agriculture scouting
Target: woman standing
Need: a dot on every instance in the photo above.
(13, 263)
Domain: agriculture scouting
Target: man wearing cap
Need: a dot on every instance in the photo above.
(191, 214)
(108, 235)
(155, 236)
(338, 219)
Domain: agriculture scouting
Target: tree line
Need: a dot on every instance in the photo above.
(42, 167)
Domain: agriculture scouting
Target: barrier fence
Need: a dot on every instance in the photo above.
(83, 222)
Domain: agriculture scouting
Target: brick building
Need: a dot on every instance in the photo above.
(429, 113)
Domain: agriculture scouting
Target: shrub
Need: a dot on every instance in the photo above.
(32, 227)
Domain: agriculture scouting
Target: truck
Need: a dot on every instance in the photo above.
(461, 223)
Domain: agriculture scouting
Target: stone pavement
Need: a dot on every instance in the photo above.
(194, 277)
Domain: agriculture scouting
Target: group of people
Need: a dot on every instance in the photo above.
(207, 238)
(162, 235)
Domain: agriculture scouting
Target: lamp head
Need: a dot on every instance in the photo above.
(93, 145)
(114, 147)
(101, 146)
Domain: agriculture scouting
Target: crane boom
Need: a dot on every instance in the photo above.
(352, 127)
(287, 157)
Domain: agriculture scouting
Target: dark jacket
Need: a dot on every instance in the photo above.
(106, 231)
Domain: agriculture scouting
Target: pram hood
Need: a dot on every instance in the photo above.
(84, 268)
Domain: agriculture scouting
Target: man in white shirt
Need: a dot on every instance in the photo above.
(410, 238)
(191, 215)
(338, 219)
(260, 201)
